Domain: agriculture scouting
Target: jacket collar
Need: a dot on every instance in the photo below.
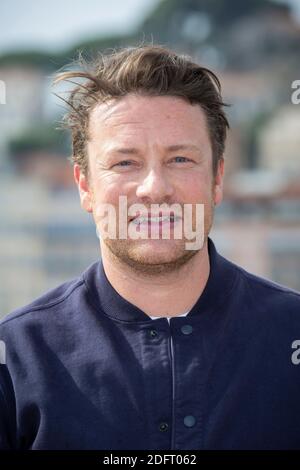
(221, 281)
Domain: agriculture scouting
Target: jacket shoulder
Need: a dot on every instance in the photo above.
(50, 299)
(269, 292)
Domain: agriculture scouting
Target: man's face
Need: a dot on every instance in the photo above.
(153, 150)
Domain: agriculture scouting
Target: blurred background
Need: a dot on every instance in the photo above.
(254, 47)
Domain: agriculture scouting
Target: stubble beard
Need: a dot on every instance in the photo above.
(143, 260)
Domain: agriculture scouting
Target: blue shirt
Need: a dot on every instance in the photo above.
(85, 369)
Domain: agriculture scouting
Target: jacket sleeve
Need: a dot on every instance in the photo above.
(7, 411)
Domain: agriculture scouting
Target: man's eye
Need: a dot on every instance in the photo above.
(124, 163)
(181, 159)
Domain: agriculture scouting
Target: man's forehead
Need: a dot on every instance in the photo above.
(104, 110)
(137, 109)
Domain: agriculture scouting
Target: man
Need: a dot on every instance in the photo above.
(156, 346)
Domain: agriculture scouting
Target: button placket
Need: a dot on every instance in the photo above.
(156, 338)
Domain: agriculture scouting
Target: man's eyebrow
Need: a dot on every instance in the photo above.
(174, 148)
(123, 150)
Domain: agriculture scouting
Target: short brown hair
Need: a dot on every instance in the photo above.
(148, 70)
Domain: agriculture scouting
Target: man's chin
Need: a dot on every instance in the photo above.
(151, 258)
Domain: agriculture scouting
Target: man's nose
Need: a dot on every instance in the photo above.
(155, 186)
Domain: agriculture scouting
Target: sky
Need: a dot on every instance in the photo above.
(53, 25)
(57, 24)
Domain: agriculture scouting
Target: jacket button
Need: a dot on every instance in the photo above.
(186, 329)
(153, 333)
(189, 421)
(163, 427)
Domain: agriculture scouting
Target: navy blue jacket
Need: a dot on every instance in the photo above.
(85, 369)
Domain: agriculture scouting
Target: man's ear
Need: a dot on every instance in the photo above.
(83, 188)
(218, 182)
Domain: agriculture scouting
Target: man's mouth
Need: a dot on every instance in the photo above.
(155, 219)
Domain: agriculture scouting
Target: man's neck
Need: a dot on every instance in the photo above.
(162, 295)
